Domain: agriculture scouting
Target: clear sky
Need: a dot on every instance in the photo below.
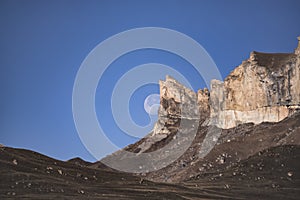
(43, 43)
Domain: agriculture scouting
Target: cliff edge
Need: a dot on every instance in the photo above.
(258, 103)
(264, 88)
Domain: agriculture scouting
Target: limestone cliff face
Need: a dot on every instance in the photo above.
(264, 88)
(176, 103)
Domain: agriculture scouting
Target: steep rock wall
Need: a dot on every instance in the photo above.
(264, 88)
(176, 103)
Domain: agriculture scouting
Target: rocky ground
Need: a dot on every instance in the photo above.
(233, 146)
(271, 174)
(249, 162)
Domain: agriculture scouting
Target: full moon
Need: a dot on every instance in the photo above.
(151, 104)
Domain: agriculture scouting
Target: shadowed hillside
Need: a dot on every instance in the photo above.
(272, 173)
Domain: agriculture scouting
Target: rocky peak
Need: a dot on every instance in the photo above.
(176, 102)
(176, 99)
(264, 88)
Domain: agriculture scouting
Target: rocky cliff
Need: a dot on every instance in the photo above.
(264, 88)
(211, 130)
(177, 103)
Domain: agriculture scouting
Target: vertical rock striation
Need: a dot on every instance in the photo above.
(176, 103)
(264, 88)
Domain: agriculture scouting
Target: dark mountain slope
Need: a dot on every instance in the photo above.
(270, 174)
(249, 162)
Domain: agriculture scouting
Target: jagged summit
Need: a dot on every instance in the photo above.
(264, 88)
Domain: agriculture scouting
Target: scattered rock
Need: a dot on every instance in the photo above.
(15, 162)
(81, 191)
(290, 174)
(227, 186)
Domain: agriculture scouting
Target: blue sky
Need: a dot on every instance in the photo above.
(43, 43)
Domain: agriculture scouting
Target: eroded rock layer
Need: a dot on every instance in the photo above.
(220, 125)
(264, 88)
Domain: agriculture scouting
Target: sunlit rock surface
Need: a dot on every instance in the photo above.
(264, 88)
(177, 102)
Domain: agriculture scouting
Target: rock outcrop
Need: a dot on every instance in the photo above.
(264, 88)
(176, 103)
(206, 130)
(178, 112)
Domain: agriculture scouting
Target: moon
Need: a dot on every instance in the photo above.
(152, 103)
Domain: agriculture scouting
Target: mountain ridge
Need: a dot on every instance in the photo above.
(229, 106)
